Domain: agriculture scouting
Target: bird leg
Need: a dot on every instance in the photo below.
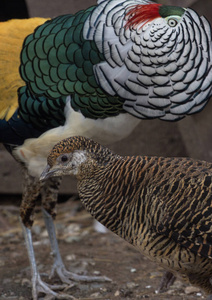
(50, 195)
(209, 296)
(58, 266)
(38, 286)
(166, 281)
(30, 192)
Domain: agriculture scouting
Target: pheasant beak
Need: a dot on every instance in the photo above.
(47, 173)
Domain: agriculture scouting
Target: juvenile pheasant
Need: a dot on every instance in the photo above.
(162, 206)
(91, 74)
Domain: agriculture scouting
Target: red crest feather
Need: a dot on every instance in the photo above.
(142, 13)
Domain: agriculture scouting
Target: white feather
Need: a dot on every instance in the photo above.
(189, 66)
(171, 117)
(34, 151)
(134, 57)
(199, 60)
(102, 78)
(194, 86)
(181, 60)
(180, 97)
(182, 109)
(157, 102)
(178, 76)
(197, 108)
(129, 107)
(145, 80)
(164, 91)
(116, 55)
(207, 82)
(161, 80)
(170, 68)
(202, 70)
(149, 113)
(180, 86)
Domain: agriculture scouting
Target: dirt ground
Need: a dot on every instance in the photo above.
(84, 251)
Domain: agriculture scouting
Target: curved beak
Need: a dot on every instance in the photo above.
(47, 173)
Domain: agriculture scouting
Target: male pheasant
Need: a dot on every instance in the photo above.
(162, 206)
(97, 74)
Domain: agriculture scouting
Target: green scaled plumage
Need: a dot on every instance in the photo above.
(166, 11)
(56, 61)
(40, 111)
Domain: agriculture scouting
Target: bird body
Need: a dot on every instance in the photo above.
(162, 206)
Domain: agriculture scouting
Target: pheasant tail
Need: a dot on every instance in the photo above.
(12, 35)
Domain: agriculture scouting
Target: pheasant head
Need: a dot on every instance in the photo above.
(68, 155)
(142, 14)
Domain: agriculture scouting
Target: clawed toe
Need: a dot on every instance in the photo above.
(79, 278)
(69, 278)
(166, 281)
(40, 287)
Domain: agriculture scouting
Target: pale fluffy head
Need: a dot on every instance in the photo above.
(65, 164)
(70, 154)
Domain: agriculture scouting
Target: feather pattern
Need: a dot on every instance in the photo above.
(172, 45)
(162, 206)
(141, 14)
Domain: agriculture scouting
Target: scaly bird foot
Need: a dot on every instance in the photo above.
(58, 266)
(40, 287)
(68, 277)
(166, 281)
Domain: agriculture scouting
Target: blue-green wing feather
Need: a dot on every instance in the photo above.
(56, 61)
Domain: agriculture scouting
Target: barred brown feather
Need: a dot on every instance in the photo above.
(163, 206)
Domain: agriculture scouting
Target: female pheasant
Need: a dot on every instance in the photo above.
(97, 74)
(162, 206)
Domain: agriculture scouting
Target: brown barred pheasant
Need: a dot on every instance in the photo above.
(163, 206)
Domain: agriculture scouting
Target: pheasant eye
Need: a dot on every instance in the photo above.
(172, 22)
(64, 158)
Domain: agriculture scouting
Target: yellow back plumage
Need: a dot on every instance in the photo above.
(12, 35)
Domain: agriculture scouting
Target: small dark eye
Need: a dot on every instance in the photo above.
(172, 22)
(64, 158)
